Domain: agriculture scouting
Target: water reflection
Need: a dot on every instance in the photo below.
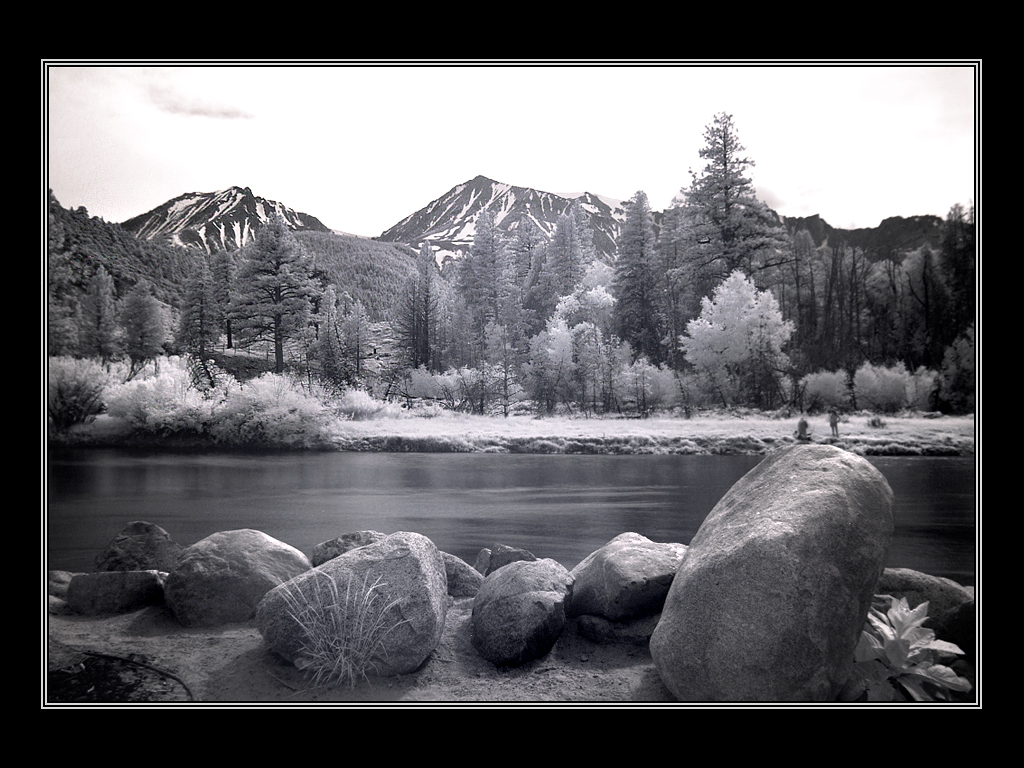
(561, 507)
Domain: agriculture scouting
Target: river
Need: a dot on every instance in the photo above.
(557, 506)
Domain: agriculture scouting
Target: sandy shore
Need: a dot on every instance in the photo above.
(146, 656)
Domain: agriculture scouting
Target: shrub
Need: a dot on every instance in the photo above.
(897, 658)
(359, 405)
(824, 389)
(880, 388)
(343, 635)
(271, 410)
(74, 392)
(164, 402)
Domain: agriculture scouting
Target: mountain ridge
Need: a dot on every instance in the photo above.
(229, 218)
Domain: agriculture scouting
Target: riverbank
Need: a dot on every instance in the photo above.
(866, 434)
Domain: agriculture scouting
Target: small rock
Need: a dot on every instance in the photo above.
(942, 595)
(519, 612)
(626, 578)
(115, 591)
(463, 579)
(328, 550)
(140, 546)
(501, 555)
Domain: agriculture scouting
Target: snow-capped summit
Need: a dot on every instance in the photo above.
(449, 222)
(224, 220)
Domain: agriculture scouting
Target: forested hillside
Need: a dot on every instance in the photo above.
(368, 270)
(714, 302)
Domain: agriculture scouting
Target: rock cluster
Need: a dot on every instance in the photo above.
(766, 603)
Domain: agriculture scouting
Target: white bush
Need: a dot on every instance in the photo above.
(163, 402)
(824, 389)
(882, 389)
(272, 410)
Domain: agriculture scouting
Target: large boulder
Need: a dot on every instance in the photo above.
(771, 597)
(114, 591)
(140, 546)
(222, 578)
(519, 612)
(627, 578)
(381, 606)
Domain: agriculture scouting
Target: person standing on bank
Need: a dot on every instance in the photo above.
(833, 422)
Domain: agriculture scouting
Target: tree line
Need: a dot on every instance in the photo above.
(719, 305)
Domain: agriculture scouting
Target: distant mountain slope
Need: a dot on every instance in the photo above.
(892, 236)
(370, 271)
(449, 222)
(211, 221)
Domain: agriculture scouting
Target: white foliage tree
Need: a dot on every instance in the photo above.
(737, 343)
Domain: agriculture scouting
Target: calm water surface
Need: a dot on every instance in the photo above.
(563, 507)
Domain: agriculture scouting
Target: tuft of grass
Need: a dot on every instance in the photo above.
(344, 634)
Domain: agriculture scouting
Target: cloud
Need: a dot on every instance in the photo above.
(174, 102)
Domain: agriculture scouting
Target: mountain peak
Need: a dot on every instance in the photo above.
(212, 221)
(449, 222)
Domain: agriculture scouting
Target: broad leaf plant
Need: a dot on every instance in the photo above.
(898, 659)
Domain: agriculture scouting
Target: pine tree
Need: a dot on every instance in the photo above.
(725, 227)
(274, 289)
(526, 253)
(144, 328)
(416, 322)
(98, 335)
(201, 318)
(568, 257)
(480, 272)
(223, 275)
(636, 284)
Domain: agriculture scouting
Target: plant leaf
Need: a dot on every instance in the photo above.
(868, 648)
(941, 675)
(912, 686)
(945, 647)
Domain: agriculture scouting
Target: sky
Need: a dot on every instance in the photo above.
(361, 145)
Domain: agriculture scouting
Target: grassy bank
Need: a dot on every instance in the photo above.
(704, 434)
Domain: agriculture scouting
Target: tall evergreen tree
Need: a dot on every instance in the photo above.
(568, 256)
(636, 284)
(726, 226)
(416, 321)
(958, 267)
(223, 276)
(99, 331)
(144, 328)
(480, 272)
(201, 317)
(526, 255)
(274, 289)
